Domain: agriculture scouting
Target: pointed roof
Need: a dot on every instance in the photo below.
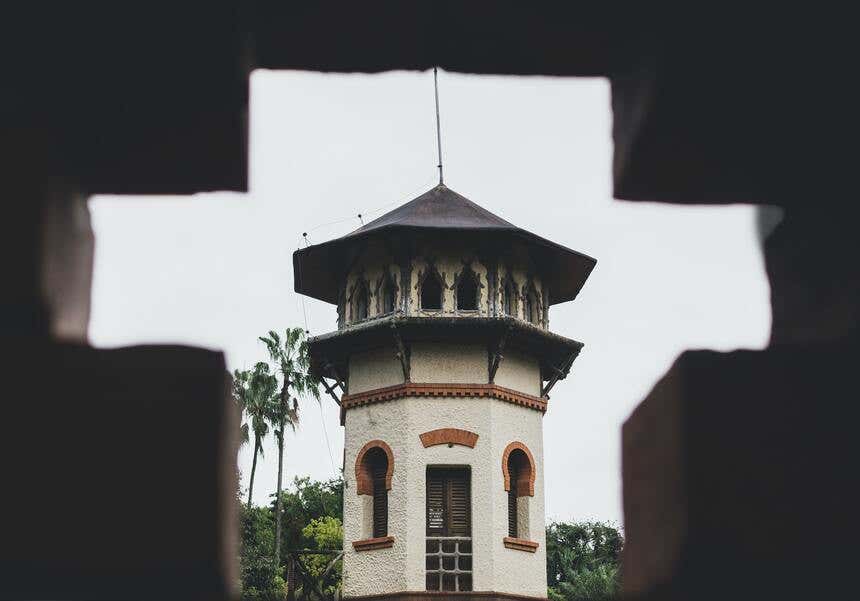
(440, 207)
(317, 267)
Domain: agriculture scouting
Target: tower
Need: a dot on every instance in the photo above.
(444, 361)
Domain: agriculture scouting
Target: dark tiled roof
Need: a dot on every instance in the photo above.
(317, 267)
(440, 207)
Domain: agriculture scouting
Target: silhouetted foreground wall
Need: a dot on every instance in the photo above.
(119, 476)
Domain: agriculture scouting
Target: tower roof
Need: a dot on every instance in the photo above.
(316, 267)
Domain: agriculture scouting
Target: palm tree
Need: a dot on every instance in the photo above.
(240, 395)
(291, 357)
(256, 392)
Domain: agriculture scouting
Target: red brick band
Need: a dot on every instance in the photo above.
(411, 389)
(445, 596)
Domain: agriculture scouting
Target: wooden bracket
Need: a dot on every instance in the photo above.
(560, 374)
(495, 356)
(401, 354)
(331, 392)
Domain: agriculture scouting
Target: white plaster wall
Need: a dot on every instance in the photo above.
(443, 362)
(399, 424)
(519, 571)
(374, 369)
(519, 372)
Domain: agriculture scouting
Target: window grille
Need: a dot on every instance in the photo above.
(449, 563)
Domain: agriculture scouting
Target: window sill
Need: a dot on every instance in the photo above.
(520, 544)
(369, 544)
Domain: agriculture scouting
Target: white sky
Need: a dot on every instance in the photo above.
(215, 270)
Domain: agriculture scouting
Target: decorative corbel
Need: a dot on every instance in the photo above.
(559, 374)
(496, 356)
(330, 391)
(332, 373)
(401, 354)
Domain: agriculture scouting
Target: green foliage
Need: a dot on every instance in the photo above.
(312, 516)
(305, 501)
(597, 584)
(582, 561)
(257, 568)
(327, 533)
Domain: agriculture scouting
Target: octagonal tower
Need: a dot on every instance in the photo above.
(443, 361)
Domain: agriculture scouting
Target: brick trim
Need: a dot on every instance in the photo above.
(363, 481)
(446, 596)
(412, 389)
(525, 486)
(449, 436)
(520, 544)
(369, 544)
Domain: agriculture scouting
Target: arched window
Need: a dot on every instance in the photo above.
(389, 294)
(532, 305)
(467, 290)
(359, 301)
(431, 292)
(518, 469)
(374, 466)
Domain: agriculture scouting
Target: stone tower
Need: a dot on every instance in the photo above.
(443, 361)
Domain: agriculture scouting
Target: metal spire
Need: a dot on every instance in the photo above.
(438, 126)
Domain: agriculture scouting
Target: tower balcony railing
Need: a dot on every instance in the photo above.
(449, 563)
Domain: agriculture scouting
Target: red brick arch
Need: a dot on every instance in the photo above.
(363, 479)
(449, 436)
(525, 484)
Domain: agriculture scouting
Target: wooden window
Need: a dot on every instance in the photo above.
(467, 290)
(449, 530)
(431, 293)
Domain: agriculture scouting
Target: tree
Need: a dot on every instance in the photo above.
(304, 502)
(326, 570)
(307, 500)
(256, 393)
(291, 357)
(582, 561)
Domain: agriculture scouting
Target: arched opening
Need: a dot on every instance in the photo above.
(431, 293)
(508, 296)
(518, 469)
(532, 306)
(359, 303)
(467, 291)
(373, 478)
(389, 294)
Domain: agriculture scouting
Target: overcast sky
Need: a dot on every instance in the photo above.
(215, 270)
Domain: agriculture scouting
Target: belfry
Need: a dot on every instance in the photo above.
(442, 363)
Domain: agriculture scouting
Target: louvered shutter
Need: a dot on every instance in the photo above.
(435, 503)
(514, 474)
(380, 500)
(449, 507)
(512, 511)
(459, 505)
